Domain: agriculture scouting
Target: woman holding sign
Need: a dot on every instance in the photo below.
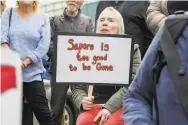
(27, 33)
(109, 113)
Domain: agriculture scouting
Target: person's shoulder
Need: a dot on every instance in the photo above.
(56, 17)
(85, 17)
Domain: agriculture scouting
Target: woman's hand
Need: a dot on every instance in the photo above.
(102, 117)
(22, 65)
(87, 103)
(26, 62)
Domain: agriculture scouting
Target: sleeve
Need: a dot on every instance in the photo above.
(137, 101)
(136, 60)
(53, 30)
(5, 26)
(118, 96)
(115, 102)
(43, 44)
(155, 18)
(78, 93)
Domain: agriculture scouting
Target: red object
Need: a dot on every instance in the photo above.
(87, 117)
(8, 77)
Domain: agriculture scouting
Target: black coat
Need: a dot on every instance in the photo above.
(174, 6)
(134, 15)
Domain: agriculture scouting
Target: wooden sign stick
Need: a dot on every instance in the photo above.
(90, 91)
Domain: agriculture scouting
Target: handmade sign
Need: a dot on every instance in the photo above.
(92, 59)
(11, 88)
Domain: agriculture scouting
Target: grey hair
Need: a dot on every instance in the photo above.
(118, 16)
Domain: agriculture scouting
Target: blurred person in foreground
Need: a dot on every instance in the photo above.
(27, 33)
(142, 105)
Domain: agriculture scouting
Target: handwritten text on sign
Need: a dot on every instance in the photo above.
(92, 59)
(96, 59)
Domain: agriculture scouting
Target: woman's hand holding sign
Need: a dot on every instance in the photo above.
(87, 103)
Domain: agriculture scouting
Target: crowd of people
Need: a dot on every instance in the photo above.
(32, 36)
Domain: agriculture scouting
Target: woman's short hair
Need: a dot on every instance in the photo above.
(118, 17)
(35, 5)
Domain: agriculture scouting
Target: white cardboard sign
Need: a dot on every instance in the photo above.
(93, 59)
(11, 88)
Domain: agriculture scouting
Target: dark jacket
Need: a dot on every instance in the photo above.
(173, 6)
(134, 16)
(64, 23)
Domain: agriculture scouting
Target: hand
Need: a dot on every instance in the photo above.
(102, 116)
(22, 65)
(87, 103)
(27, 61)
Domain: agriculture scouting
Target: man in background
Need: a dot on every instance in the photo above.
(71, 21)
(134, 16)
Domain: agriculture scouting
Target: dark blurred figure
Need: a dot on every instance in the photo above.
(134, 16)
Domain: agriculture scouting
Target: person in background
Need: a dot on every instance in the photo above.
(134, 16)
(28, 34)
(177, 5)
(111, 96)
(159, 10)
(138, 103)
(71, 21)
(3, 6)
(156, 14)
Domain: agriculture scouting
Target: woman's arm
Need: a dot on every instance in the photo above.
(155, 15)
(78, 93)
(43, 44)
(115, 102)
(5, 28)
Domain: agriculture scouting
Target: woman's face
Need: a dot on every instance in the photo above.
(107, 23)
